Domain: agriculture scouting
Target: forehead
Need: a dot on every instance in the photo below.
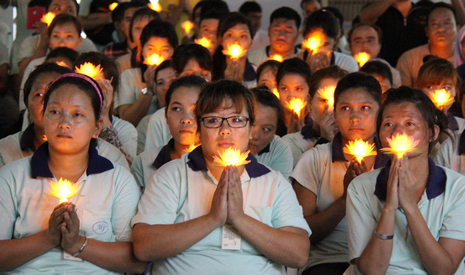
(239, 28)
(210, 22)
(355, 95)
(63, 2)
(129, 12)
(70, 94)
(440, 14)
(402, 109)
(364, 31)
(158, 41)
(67, 27)
(293, 79)
(283, 22)
(165, 73)
(228, 106)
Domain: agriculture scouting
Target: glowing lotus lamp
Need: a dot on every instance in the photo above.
(313, 42)
(113, 6)
(277, 57)
(94, 72)
(235, 51)
(154, 5)
(275, 92)
(187, 26)
(203, 42)
(232, 157)
(441, 98)
(362, 58)
(48, 18)
(359, 149)
(296, 105)
(63, 189)
(327, 93)
(154, 59)
(401, 144)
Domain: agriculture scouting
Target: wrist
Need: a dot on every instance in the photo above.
(79, 246)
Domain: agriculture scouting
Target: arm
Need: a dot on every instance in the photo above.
(459, 6)
(40, 51)
(371, 13)
(136, 111)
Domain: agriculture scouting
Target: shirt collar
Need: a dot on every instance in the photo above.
(254, 168)
(435, 185)
(164, 155)
(462, 143)
(266, 149)
(27, 139)
(39, 162)
(453, 124)
(249, 72)
(308, 132)
(267, 50)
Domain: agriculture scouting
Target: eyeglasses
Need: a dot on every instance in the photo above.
(233, 121)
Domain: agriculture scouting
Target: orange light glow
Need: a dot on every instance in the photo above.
(63, 189)
(48, 18)
(401, 144)
(362, 58)
(327, 93)
(313, 42)
(232, 157)
(187, 26)
(359, 149)
(62, 64)
(155, 6)
(441, 98)
(154, 59)
(94, 72)
(275, 92)
(203, 42)
(296, 105)
(235, 51)
(113, 6)
(190, 149)
(44, 138)
(277, 57)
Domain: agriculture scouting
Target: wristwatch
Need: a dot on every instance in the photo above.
(146, 91)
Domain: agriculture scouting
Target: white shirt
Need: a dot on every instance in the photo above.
(278, 156)
(158, 131)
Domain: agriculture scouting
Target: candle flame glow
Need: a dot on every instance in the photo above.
(235, 51)
(48, 18)
(155, 6)
(190, 149)
(275, 92)
(113, 6)
(327, 93)
(277, 57)
(296, 105)
(203, 42)
(362, 58)
(187, 26)
(313, 42)
(359, 149)
(63, 189)
(401, 144)
(441, 98)
(94, 72)
(154, 59)
(232, 157)
(62, 64)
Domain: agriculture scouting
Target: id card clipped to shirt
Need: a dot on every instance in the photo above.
(231, 240)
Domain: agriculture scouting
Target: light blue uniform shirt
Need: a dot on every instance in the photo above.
(278, 156)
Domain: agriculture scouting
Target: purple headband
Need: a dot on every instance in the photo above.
(85, 77)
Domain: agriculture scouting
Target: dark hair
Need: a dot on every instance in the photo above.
(41, 69)
(163, 65)
(83, 83)
(142, 12)
(249, 6)
(49, 2)
(158, 28)
(358, 25)
(65, 52)
(188, 81)
(325, 20)
(333, 71)
(117, 15)
(307, 1)
(294, 66)
(214, 5)
(273, 64)
(265, 97)
(286, 13)
(359, 80)
(184, 53)
(435, 70)
(110, 69)
(377, 68)
(211, 15)
(431, 115)
(439, 5)
(199, 5)
(63, 19)
(339, 16)
(213, 96)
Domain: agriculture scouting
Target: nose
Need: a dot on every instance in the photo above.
(354, 116)
(225, 129)
(187, 119)
(65, 122)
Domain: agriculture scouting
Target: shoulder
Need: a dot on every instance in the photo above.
(124, 127)
(415, 53)
(319, 151)
(277, 144)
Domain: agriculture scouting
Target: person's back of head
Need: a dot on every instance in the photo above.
(294, 66)
(162, 29)
(61, 53)
(325, 20)
(184, 53)
(248, 7)
(377, 68)
(214, 5)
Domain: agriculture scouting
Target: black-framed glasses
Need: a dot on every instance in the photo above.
(233, 121)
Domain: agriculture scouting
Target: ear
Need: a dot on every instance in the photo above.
(80, 40)
(435, 135)
(98, 128)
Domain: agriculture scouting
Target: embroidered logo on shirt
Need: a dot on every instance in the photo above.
(100, 227)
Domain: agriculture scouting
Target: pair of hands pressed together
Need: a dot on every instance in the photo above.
(318, 60)
(235, 70)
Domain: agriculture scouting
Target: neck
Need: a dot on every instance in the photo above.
(283, 54)
(442, 50)
(317, 128)
(178, 150)
(39, 134)
(404, 7)
(68, 166)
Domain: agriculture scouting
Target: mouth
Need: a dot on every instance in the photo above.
(186, 131)
(65, 136)
(225, 144)
(356, 129)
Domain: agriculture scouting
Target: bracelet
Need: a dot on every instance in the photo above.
(383, 237)
(82, 248)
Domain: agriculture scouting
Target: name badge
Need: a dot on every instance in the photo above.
(231, 239)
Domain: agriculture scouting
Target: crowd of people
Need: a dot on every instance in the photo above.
(137, 122)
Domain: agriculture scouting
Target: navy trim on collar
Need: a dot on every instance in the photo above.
(254, 168)
(27, 139)
(134, 63)
(267, 50)
(249, 72)
(462, 143)
(266, 149)
(333, 59)
(435, 186)
(453, 124)
(164, 155)
(308, 132)
(39, 162)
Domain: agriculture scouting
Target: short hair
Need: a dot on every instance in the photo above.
(266, 98)
(294, 66)
(249, 6)
(359, 80)
(163, 65)
(189, 81)
(211, 15)
(110, 69)
(231, 20)
(273, 64)
(142, 12)
(435, 70)
(214, 5)
(63, 19)
(379, 68)
(358, 25)
(184, 53)
(117, 15)
(65, 52)
(428, 110)
(325, 20)
(199, 5)
(41, 69)
(333, 71)
(158, 28)
(308, 1)
(214, 94)
(49, 2)
(439, 5)
(338, 14)
(286, 13)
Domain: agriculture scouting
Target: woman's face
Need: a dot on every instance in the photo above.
(264, 129)
(405, 117)
(163, 82)
(446, 84)
(65, 36)
(69, 120)
(221, 138)
(318, 103)
(157, 45)
(355, 114)
(292, 86)
(181, 116)
(238, 34)
(35, 104)
(268, 78)
(193, 68)
(326, 44)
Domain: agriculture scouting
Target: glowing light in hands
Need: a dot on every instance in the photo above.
(232, 157)
(359, 149)
(94, 72)
(401, 144)
(235, 51)
(441, 98)
(63, 189)
(275, 92)
(313, 42)
(277, 57)
(362, 58)
(203, 42)
(296, 105)
(327, 93)
(113, 6)
(48, 18)
(154, 5)
(154, 59)
(187, 26)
